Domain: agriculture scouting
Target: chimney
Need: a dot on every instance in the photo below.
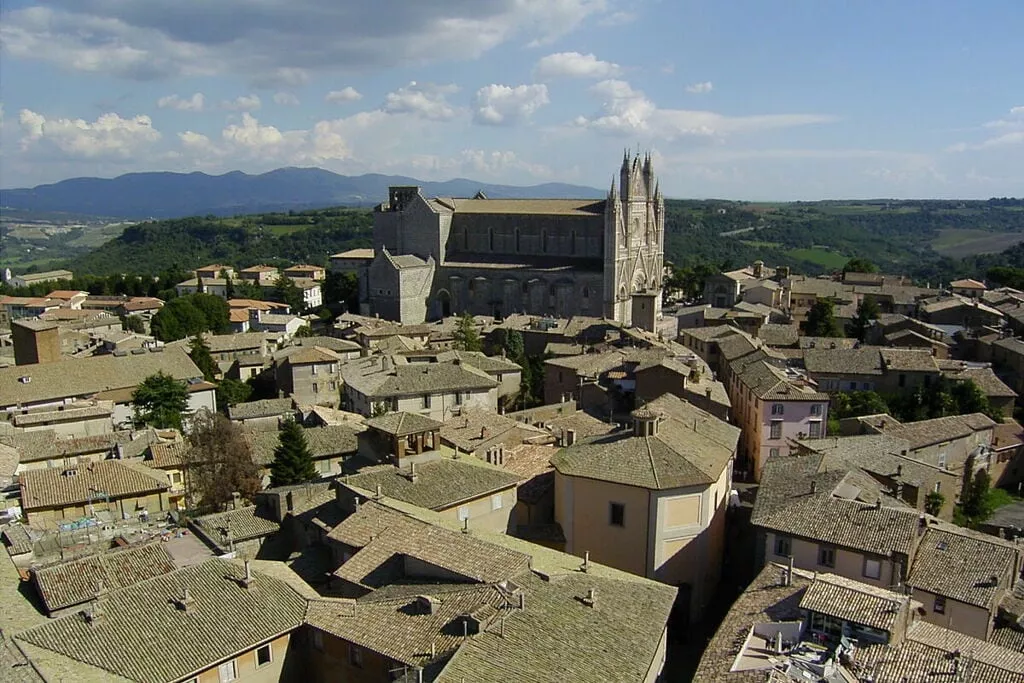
(236, 500)
(814, 487)
(522, 600)
(789, 572)
(248, 580)
(591, 597)
(412, 473)
(707, 393)
(484, 434)
(585, 567)
(379, 492)
(899, 470)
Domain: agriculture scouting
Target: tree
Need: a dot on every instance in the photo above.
(216, 312)
(974, 499)
(305, 331)
(466, 336)
(821, 320)
(189, 315)
(133, 323)
(293, 462)
(514, 346)
(159, 401)
(229, 284)
(342, 288)
(867, 312)
(933, 503)
(218, 463)
(379, 408)
(288, 292)
(231, 392)
(199, 352)
(859, 265)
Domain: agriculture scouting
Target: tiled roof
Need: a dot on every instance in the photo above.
(967, 284)
(17, 540)
(440, 484)
(691, 447)
(959, 564)
(324, 442)
(402, 423)
(330, 343)
(927, 432)
(881, 454)
(821, 498)
(774, 334)
(72, 583)
(170, 454)
(54, 487)
(908, 360)
(87, 376)
(772, 384)
(559, 207)
(369, 377)
(986, 380)
(142, 634)
(103, 409)
(243, 524)
(313, 354)
(933, 653)
(268, 407)
(475, 427)
(863, 361)
(853, 601)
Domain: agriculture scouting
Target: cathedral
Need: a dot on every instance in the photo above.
(441, 256)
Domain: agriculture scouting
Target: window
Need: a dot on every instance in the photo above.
(776, 430)
(778, 409)
(617, 514)
(826, 556)
(942, 460)
(426, 400)
(773, 452)
(940, 605)
(264, 655)
(783, 546)
(938, 487)
(458, 398)
(902, 380)
(865, 386)
(463, 513)
(355, 655)
(815, 429)
(872, 568)
(496, 502)
(175, 477)
(817, 409)
(314, 368)
(325, 467)
(316, 388)
(334, 385)
(227, 671)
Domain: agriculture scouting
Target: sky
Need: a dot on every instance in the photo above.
(736, 99)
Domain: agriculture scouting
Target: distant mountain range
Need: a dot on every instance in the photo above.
(174, 195)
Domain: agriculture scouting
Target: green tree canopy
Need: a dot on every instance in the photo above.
(231, 392)
(288, 292)
(190, 315)
(293, 461)
(133, 323)
(821, 320)
(199, 352)
(342, 288)
(860, 265)
(867, 311)
(159, 401)
(466, 337)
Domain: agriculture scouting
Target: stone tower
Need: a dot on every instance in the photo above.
(634, 245)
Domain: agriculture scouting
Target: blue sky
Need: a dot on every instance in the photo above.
(742, 99)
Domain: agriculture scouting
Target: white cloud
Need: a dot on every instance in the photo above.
(277, 43)
(1011, 133)
(242, 103)
(346, 94)
(194, 103)
(425, 100)
(574, 65)
(699, 88)
(505, 105)
(286, 99)
(496, 163)
(108, 136)
(625, 111)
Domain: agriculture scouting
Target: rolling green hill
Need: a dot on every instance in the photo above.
(928, 240)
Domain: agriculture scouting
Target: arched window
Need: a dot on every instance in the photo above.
(517, 240)
(586, 292)
(572, 245)
(490, 238)
(544, 240)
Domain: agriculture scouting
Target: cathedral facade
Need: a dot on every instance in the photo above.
(439, 256)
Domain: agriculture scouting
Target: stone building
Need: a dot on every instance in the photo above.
(560, 257)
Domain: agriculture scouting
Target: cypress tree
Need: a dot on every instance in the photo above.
(293, 462)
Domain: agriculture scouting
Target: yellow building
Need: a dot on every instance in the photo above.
(652, 500)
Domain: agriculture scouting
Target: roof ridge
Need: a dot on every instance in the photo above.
(650, 456)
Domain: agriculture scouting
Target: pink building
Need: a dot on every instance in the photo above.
(774, 407)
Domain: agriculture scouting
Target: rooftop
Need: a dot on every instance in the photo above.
(268, 407)
(691, 447)
(437, 484)
(381, 377)
(402, 423)
(963, 565)
(324, 442)
(72, 583)
(865, 360)
(87, 483)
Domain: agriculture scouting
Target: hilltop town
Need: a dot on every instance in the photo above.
(515, 451)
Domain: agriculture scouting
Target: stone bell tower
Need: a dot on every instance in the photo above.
(634, 245)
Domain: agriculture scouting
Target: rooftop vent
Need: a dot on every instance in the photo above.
(24, 379)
